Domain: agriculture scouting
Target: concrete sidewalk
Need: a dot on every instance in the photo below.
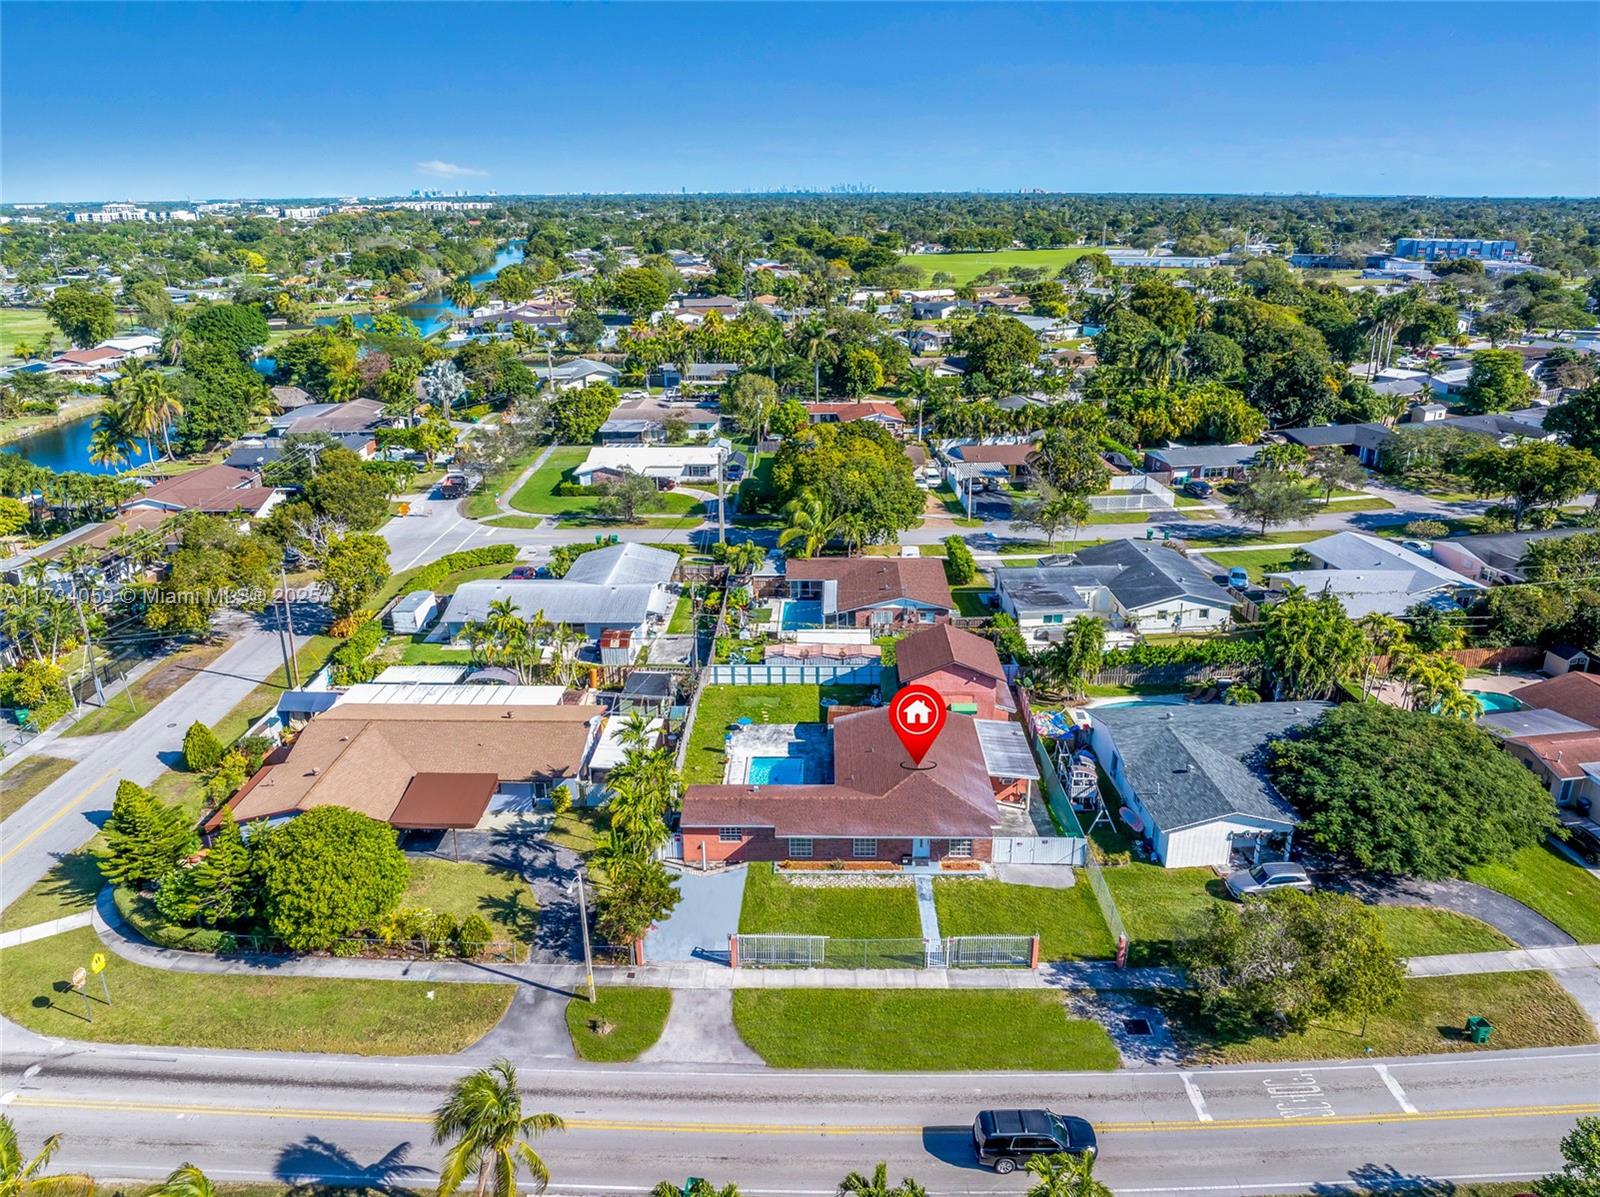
(1520, 960)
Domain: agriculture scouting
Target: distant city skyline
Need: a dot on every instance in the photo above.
(326, 100)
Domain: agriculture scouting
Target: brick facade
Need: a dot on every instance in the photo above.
(759, 844)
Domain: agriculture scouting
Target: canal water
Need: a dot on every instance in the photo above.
(66, 446)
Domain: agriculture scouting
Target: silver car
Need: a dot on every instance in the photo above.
(1268, 878)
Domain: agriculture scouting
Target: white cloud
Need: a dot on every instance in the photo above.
(447, 170)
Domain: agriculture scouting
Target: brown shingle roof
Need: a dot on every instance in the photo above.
(864, 581)
(218, 488)
(1564, 753)
(877, 791)
(435, 800)
(942, 646)
(365, 756)
(1575, 695)
(1007, 455)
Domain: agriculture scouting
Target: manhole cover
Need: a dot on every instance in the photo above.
(1136, 1026)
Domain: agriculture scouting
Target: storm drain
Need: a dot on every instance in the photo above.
(1136, 1026)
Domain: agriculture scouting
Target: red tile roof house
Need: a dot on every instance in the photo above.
(961, 666)
(875, 592)
(879, 411)
(879, 807)
(218, 490)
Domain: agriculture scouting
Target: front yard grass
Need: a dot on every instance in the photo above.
(467, 887)
(538, 496)
(619, 1024)
(1157, 904)
(240, 1012)
(481, 503)
(22, 783)
(682, 620)
(720, 705)
(900, 1030)
(1067, 921)
(1429, 931)
(147, 690)
(775, 905)
(1527, 1010)
(578, 829)
(1256, 562)
(1565, 893)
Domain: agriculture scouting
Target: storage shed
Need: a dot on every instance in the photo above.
(414, 612)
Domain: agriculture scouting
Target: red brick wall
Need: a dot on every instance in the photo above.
(960, 685)
(762, 845)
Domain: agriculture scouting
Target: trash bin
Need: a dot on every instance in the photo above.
(1479, 1029)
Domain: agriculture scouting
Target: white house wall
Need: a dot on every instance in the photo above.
(1207, 844)
(1179, 614)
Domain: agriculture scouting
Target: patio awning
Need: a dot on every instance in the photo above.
(436, 801)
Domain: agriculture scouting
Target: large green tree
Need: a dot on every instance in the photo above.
(1311, 645)
(1273, 496)
(1498, 382)
(1532, 476)
(327, 874)
(1410, 793)
(145, 837)
(353, 569)
(84, 313)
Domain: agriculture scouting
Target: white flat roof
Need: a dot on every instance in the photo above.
(436, 694)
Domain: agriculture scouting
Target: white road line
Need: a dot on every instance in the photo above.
(1196, 1098)
(1393, 1086)
(428, 546)
(9, 1096)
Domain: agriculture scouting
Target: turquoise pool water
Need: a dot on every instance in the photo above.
(801, 613)
(777, 771)
(1489, 701)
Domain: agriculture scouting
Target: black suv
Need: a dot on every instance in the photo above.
(1581, 838)
(1005, 1139)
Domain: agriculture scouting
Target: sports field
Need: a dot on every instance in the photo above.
(966, 267)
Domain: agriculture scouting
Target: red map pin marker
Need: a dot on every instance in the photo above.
(918, 716)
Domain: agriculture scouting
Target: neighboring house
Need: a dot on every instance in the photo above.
(878, 807)
(111, 565)
(333, 419)
(1138, 585)
(427, 766)
(136, 345)
(872, 592)
(879, 411)
(1574, 695)
(289, 398)
(1370, 574)
(644, 422)
(924, 341)
(1050, 329)
(991, 462)
(934, 309)
(253, 453)
(1179, 463)
(577, 374)
(624, 588)
(1367, 441)
(86, 363)
(686, 464)
(216, 490)
(1495, 557)
(1192, 777)
(963, 667)
(1556, 735)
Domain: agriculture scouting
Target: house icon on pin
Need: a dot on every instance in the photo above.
(917, 712)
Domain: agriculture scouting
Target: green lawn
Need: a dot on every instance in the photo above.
(1527, 1010)
(149, 689)
(1067, 921)
(420, 652)
(481, 502)
(682, 620)
(578, 829)
(776, 905)
(968, 266)
(1256, 562)
(721, 705)
(240, 1012)
(969, 599)
(25, 324)
(538, 494)
(900, 1030)
(1119, 517)
(466, 887)
(620, 1023)
(22, 783)
(1429, 931)
(1565, 893)
(1156, 905)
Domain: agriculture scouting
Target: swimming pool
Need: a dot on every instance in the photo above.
(801, 613)
(1146, 700)
(1490, 701)
(777, 771)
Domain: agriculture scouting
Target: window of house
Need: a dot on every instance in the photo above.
(961, 849)
(730, 835)
(799, 849)
(863, 849)
(1055, 619)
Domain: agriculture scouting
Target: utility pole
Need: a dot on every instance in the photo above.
(722, 521)
(88, 648)
(583, 923)
(293, 674)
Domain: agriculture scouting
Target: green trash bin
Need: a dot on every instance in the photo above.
(1479, 1029)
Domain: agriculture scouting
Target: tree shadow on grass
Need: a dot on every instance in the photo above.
(74, 880)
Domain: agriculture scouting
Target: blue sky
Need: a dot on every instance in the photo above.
(109, 101)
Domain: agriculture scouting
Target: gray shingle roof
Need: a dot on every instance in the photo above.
(1151, 573)
(1191, 764)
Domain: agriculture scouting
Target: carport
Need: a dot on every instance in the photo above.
(445, 801)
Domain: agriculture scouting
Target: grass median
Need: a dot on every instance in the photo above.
(241, 1012)
(22, 783)
(619, 1024)
(909, 1030)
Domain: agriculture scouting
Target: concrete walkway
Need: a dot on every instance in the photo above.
(70, 922)
(503, 499)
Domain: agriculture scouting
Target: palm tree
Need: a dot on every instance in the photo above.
(634, 733)
(147, 405)
(808, 523)
(185, 1181)
(769, 349)
(462, 295)
(1063, 1175)
(857, 1185)
(699, 1188)
(482, 1119)
(814, 341)
(19, 1175)
(110, 444)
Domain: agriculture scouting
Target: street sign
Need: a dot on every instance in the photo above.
(80, 977)
(97, 962)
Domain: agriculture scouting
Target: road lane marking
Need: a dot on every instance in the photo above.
(1299, 1095)
(1393, 1086)
(778, 1128)
(59, 815)
(1196, 1099)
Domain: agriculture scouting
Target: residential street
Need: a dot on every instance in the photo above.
(67, 813)
(135, 1113)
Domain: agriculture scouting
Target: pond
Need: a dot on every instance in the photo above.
(434, 312)
(66, 447)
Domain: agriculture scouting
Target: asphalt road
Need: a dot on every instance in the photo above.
(66, 814)
(135, 1113)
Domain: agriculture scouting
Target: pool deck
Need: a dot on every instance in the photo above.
(809, 742)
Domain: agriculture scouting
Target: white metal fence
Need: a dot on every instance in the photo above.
(1039, 849)
(826, 951)
(779, 674)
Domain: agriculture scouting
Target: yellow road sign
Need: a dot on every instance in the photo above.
(97, 962)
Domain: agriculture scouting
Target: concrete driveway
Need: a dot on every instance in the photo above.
(706, 914)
